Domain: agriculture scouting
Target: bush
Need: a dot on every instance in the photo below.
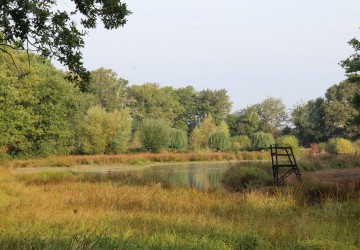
(339, 146)
(291, 141)
(219, 140)
(178, 139)
(261, 140)
(322, 147)
(239, 178)
(357, 146)
(155, 134)
(4, 158)
(240, 143)
(102, 132)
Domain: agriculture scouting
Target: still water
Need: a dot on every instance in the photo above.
(195, 175)
(200, 175)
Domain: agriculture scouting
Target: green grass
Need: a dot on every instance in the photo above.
(83, 211)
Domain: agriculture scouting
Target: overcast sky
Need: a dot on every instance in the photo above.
(254, 49)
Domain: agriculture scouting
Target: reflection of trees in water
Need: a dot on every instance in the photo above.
(206, 177)
(192, 175)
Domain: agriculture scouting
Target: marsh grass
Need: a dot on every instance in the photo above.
(141, 158)
(85, 211)
(328, 161)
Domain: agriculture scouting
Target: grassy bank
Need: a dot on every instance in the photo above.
(78, 211)
(306, 162)
(142, 158)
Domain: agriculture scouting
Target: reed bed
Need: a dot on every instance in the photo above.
(312, 162)
(79, 211)
(141, 158)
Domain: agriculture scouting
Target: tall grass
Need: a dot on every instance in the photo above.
(71, 211)
(328, 161)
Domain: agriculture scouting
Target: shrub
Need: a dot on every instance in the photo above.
(178, 139)
(240, 143)
(339, 146)
(4, 158)
(239, 178)
(261, 140)
(291, 141)
(155, 134)
(357, 146)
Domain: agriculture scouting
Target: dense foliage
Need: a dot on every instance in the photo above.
(38, 111)
(339, 146)
(219, 140)
(42, 114)
(240, 142)
(155, 134)
(101, 132)
(178, 139)
(291, 141)
(44, 27)
(261, 140)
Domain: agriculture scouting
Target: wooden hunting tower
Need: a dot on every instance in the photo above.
(283, 163)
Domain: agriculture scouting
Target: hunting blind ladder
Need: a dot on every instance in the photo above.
(283, 163)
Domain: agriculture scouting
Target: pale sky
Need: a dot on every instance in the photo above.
(254, 49)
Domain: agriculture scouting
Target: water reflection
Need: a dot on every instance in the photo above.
(200, 176)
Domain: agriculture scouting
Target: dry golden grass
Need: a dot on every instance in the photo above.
(80, 214)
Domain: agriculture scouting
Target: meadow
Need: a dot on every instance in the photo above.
(64, 210)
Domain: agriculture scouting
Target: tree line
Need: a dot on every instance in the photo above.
(43, 114)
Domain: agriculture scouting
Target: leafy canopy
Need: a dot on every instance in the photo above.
(41, 25)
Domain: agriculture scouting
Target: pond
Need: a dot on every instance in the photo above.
(195, 175)
(200, 175)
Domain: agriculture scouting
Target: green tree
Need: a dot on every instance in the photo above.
(352, 68)
(187, 119)
(219, 140)
(101, 132)
(248, 120)
(352, 63)
(155, 134)
(200, 135)
(233, 121)
(269, 116)
(178, 139)
(340, 111)
(92, 131)
(52, 32)
(108, 89)
(273, 116)
(38, 110)
(213, 102)
(118, 131)
(309, 121)
(261, 140)
(151, 101)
